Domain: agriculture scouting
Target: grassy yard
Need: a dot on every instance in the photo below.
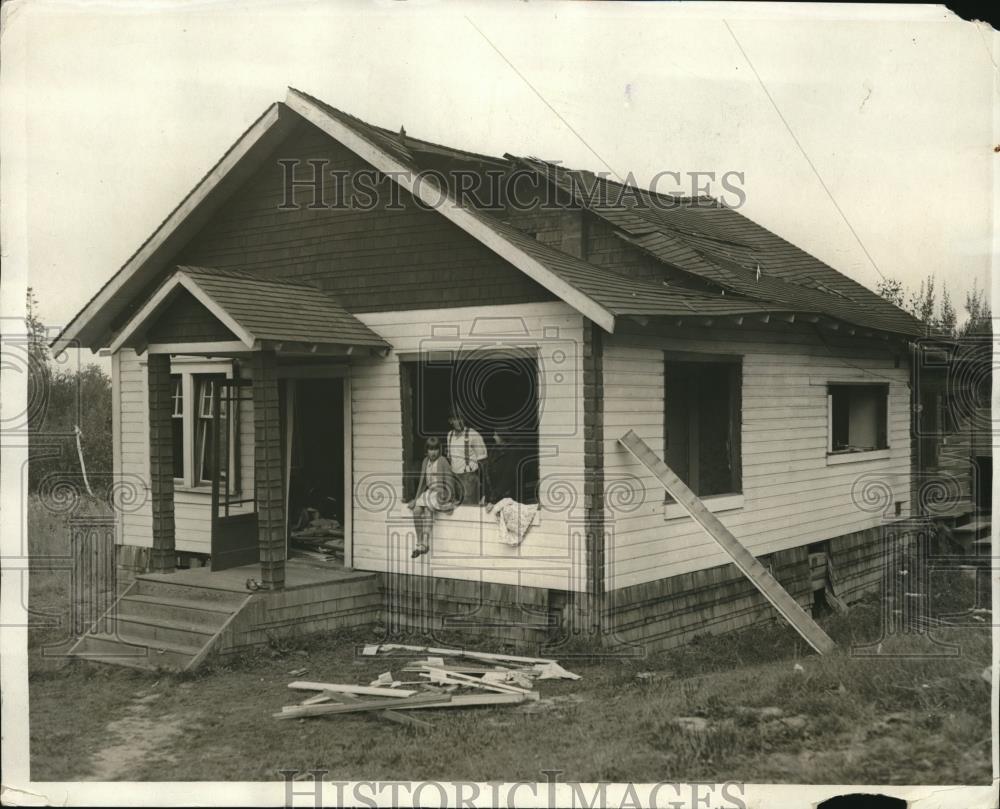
(751, 706)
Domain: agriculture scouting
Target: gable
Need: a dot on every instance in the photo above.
(186, 320)
(391, 257)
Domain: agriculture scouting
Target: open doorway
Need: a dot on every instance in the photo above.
(315, 477)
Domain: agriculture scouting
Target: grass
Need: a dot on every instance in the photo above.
(843, 718)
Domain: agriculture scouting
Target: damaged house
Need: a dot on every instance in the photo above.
(278, 360)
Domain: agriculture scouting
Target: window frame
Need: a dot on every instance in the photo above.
(189, 369)
(177, 414)
(838, 456)
(409, 362)
(720, 501)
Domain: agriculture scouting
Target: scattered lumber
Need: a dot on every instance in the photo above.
(364, 690)
(506, 679)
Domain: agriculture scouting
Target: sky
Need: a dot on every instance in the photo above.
(866, 141)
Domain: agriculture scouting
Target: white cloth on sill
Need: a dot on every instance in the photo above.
(513, 520)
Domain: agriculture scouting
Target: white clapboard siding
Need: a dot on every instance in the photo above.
(192, 507)
(791, 495)
(465, 544)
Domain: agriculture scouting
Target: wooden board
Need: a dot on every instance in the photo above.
(742, 558)
(366, 690)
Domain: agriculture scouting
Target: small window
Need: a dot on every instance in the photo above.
(206, 389)
(858, 416)
(498, 396)
(702, 425)
(177, 425)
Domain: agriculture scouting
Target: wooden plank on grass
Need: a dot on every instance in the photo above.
(748, 564)
(412, 703)
(342, 688)
(297, 711)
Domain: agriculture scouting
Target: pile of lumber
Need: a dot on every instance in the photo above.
(446, 678)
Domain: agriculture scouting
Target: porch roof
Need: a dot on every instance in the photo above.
(255, 310)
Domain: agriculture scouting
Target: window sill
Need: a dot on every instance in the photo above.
(200, 489)
(833, 458)
(716, 503)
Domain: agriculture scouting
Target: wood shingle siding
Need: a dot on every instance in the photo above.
(465, 544)
(375, 260)
(187, 320)
(791, 496)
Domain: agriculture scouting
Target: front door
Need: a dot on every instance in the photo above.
(234, 507)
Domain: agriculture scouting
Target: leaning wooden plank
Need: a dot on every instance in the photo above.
(342, 688)
(748, 564)
(402, 647)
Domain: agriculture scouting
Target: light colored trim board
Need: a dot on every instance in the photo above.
(834, 458)
(429, 193)
(116, 438)
(192, 213)
(748, 564)
(222, 347)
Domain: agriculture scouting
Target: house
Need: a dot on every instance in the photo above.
(307, 315)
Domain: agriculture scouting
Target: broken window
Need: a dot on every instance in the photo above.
(177, 424)
(858, 416)
(498, 396)
(702, 424)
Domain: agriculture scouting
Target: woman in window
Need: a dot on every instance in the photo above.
(435, 492)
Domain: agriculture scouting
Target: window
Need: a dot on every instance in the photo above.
(206, 389)
(498, 395)
(857, 417)
(702, 422)
(194, 388)
(177, 425)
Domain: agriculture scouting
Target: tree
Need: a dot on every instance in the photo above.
(38, 344)
(948, 319)
(892, 290)
(923, 301)
(980, 316)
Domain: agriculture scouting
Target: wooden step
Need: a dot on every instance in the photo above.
(157, 630)
(129, 651)
(206, 614)
(158, 588)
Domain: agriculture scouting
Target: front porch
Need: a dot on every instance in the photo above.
(177, 620)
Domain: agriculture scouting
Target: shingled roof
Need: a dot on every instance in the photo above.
(759, 271)
(741, 267)
(258, 310)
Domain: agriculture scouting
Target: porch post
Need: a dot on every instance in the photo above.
(161, 461)
(268, 471)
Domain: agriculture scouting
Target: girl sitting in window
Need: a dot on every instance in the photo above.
(435, 492)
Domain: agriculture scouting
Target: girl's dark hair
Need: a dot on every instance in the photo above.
(432, 443)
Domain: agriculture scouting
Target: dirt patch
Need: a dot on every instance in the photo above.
(137, 737)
